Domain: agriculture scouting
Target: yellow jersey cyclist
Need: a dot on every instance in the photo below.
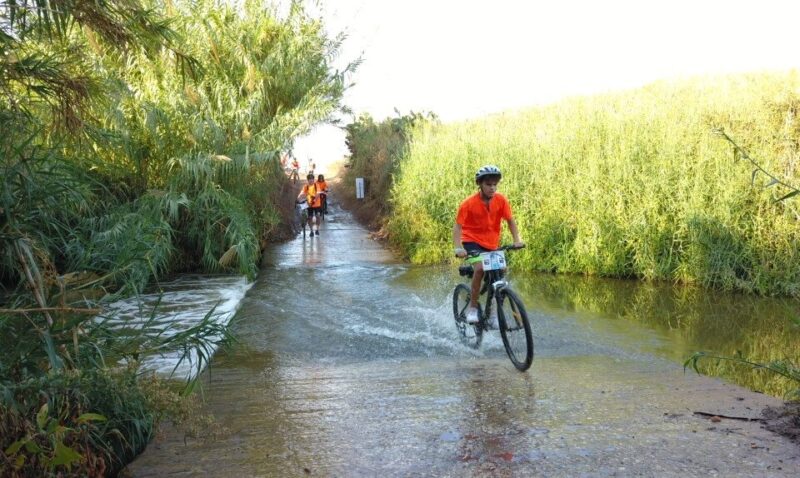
(322, 187)
(314, 198)
(477, 227)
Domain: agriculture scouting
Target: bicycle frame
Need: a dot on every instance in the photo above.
(493, 282)
(324, 205)
(302, 214)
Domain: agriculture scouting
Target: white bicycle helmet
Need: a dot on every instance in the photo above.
(488, 170)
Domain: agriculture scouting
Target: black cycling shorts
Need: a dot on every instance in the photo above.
(474, 248)
(314, 211)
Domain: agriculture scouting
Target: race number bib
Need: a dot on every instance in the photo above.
(303, 206)
(494, 260)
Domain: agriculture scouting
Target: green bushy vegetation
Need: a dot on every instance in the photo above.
(376, 150)
(631, 184)
(139, 138)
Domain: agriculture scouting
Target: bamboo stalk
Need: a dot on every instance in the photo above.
(37, 293)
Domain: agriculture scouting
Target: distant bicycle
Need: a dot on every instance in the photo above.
(324, 205)
(515, 328)
(301, 209)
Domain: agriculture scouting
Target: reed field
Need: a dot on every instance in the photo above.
(632, 184)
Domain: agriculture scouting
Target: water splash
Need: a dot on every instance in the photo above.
(176, 306)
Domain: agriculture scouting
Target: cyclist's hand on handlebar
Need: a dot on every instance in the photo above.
(460, 252)
(519, 245)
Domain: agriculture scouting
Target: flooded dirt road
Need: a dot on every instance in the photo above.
(349, 365)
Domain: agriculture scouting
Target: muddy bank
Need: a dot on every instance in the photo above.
(784, 420)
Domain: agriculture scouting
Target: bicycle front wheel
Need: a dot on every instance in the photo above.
(515, 329)
(471, 335)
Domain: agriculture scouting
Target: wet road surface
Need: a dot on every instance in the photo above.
(349, 365)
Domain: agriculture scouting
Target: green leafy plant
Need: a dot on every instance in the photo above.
(47, 444)
(784, 368)
(740, 153)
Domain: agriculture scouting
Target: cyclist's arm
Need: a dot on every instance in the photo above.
(512, 226)
(458, 247)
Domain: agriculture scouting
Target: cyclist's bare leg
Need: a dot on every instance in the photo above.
(477, 277)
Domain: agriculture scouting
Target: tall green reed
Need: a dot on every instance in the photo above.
(632, 184)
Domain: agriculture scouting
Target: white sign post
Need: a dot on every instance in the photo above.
(359, 188)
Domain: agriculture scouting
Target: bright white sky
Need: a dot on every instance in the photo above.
(467, 58)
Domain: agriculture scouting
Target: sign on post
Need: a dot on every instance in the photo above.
(359, 188)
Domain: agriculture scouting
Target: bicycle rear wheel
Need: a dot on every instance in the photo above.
(515, 329)
(470, 334)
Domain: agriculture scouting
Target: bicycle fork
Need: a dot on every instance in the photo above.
(499, 285)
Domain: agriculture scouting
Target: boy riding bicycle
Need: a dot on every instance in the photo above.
(322, 187)
(314, 198)
(477, 227)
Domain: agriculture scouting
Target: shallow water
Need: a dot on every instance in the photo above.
(348, 364)
(671, 322)
(175, 305)
(355, 307)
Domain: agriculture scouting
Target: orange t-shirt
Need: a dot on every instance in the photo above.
(322, 186)
(314, 200)
(480, 222)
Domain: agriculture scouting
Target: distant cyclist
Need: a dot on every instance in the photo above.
(295, 175)
(314, 199)
(477, 227)
(322, 187)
